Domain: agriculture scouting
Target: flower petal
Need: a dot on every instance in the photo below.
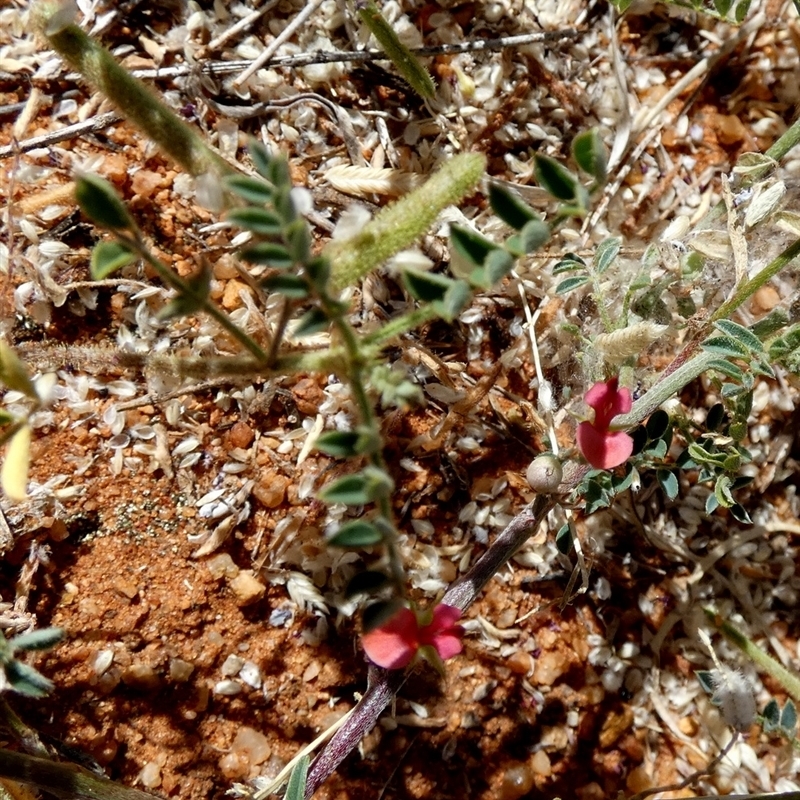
(442, 633)
(603, 449)
(608, 400)
(444, 616)
(394, 644)
(448, 643)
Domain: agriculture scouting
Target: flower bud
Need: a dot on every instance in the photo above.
(544, 474)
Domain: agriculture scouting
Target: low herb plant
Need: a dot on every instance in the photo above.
(625, 439)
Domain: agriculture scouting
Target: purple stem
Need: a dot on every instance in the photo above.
(384, 684)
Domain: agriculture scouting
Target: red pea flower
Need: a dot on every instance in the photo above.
(395, 643)
(602, 447)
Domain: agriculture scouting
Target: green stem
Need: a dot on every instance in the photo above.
(665, 389)
(136, 243)
(134, 100)
(788, 680)
(399, 325)
(749, 287)
(63, 779)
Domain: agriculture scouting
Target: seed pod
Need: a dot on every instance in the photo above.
(544, 474)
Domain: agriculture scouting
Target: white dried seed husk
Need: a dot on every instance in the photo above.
(363, 181)
(764, 203)
(617, 346)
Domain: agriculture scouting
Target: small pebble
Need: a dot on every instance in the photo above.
(179, 670)
(141, 676)
(252, 744)
(540, 764)
(241, 435)
(227, 688)
(222, 566)
(247, 588)
(150, 776)
(232, 665)
(517, 781)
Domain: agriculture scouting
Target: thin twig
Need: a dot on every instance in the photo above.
(279, 40)
(241, 25)
(93, 125)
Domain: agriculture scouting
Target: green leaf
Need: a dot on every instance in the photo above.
(740, 334)
(657, 449)
(99, 201)
(621, 483)
(605, 254)
(367, 582)
(26, 680)
(455, 301)
(292, 286)
(427, 287)
(740, 12)
(470, 245)
(657, 425)
(319, 271)
(42, 639)
(279, 174)
(722, 489)
(706, 678)
(311, 322)
(590, 154)
(726, 347)
(571, 283)
(14, 373)
(772, 715)
(284, 204)
(356, 534)
(789, 718)
(711, 504)
(569, 263)
(669, 483)
(257, 220)
(556, 179)
(364, 487)
(497, 265)
(726, 368)
(268, 254)
(533, 235)
(261, 157)
(251, 189)
(723, 7)
(564, 541)
(510, 207)
(408, 65)
(108, 257)
(296, 788)
(298, 241)
(739, 513)
(340, 444)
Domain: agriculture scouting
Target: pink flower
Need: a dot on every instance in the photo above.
(602, 447)
(394, 644)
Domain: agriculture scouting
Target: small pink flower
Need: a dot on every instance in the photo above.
(602, 447)
(395, 643)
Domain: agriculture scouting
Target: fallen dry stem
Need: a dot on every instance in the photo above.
(384, 684)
